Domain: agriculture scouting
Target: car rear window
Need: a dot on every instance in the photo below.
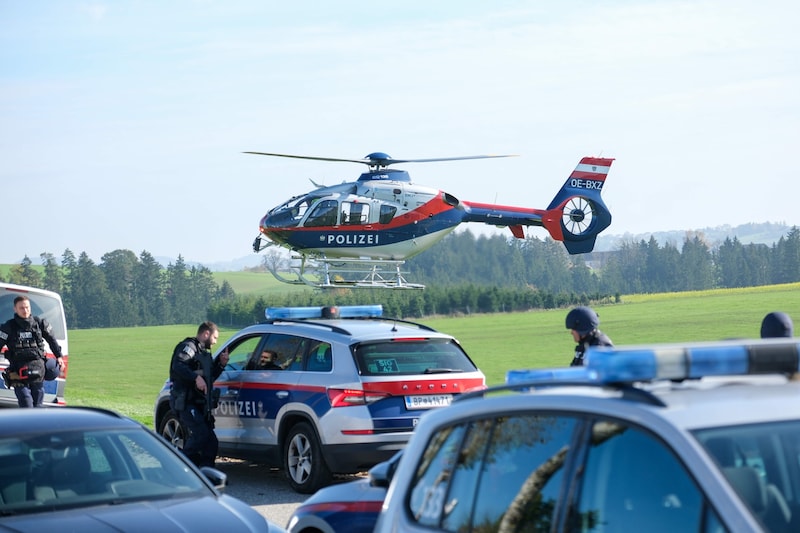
(411, 356)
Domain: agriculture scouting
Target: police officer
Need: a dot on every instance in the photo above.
(582, 322)
(192, 373)
(24, 335)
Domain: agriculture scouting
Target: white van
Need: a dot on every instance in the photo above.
(48, 305)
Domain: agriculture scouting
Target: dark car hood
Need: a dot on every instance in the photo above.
(224, 514)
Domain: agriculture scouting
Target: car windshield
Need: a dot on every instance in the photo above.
(68, 469)
(412, 356)
(762, 464)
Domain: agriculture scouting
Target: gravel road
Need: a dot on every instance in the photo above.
(262, 487)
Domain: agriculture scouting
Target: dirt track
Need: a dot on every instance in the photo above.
(262, 487)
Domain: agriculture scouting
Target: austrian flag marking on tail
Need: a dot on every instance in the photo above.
(594, 168)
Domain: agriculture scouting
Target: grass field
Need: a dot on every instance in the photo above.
(124, 368)
(256, 283)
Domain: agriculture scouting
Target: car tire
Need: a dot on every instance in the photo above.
(172, 430)
(303, 463)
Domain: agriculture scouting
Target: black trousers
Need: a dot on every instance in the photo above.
(200, 444)
(30, 395)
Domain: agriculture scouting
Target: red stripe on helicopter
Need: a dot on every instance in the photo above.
(432, 208)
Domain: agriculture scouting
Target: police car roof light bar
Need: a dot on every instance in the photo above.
(575, 373)
(343, 311)
(629, 364)
(692, 361)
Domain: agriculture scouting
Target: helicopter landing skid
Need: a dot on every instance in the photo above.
(350, 273)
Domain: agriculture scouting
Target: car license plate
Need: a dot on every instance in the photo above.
(428, 401)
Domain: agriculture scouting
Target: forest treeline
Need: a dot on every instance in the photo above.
(463, 274)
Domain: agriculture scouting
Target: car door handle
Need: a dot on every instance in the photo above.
(282, 394)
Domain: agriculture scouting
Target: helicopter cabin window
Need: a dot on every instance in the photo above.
(387, 213)
(355, 213)
(324, 214)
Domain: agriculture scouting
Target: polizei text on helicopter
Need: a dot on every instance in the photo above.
(358, 239)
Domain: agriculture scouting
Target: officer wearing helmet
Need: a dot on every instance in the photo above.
(776, 324)
(582, 322)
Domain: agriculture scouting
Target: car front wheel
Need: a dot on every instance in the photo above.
(302, 459)
(172, 429)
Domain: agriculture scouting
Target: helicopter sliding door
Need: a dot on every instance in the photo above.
(355, 213)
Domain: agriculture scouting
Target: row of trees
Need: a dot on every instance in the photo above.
(635, 267)
(434, 300)
(124, 290)
(463, 274)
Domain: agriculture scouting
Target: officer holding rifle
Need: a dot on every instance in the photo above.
(192, 373)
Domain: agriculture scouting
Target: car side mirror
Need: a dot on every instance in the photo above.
(380, 475)
(217, 478)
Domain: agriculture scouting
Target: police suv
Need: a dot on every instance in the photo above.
(320, 391)
(702, 437)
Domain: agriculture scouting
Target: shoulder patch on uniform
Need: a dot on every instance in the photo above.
(189, 350)
(3, 335)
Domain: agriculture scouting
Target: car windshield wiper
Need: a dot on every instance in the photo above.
(442, 370)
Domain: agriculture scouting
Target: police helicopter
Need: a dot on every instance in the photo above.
(359, 233)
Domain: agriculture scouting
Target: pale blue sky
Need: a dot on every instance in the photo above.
(122, 123)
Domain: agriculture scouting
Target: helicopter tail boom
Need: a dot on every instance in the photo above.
(576, 215)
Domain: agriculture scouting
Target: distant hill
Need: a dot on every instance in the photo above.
(232, 265)
(752, 233)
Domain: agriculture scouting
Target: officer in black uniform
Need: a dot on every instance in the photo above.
(192, 373)
(24, 335)
(582, 322)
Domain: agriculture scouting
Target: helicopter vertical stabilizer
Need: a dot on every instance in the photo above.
(578, 214)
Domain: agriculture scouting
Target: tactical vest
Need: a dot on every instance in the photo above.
(28, 344)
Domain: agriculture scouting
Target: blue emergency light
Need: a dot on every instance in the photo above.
(628, 364)
(341, 311)
(691, 361)
(575, 373)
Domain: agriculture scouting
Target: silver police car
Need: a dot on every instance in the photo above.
(702, 437)
(92, 470)
(323, 391)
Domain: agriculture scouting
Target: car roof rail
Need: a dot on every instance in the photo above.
(402, 321)
(344, 331)
(308, 322)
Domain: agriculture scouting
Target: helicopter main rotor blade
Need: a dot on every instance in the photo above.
(450, 158)
(379, 159)
(365, 161)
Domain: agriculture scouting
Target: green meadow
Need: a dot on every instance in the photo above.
(124, 368)
(256, 283)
